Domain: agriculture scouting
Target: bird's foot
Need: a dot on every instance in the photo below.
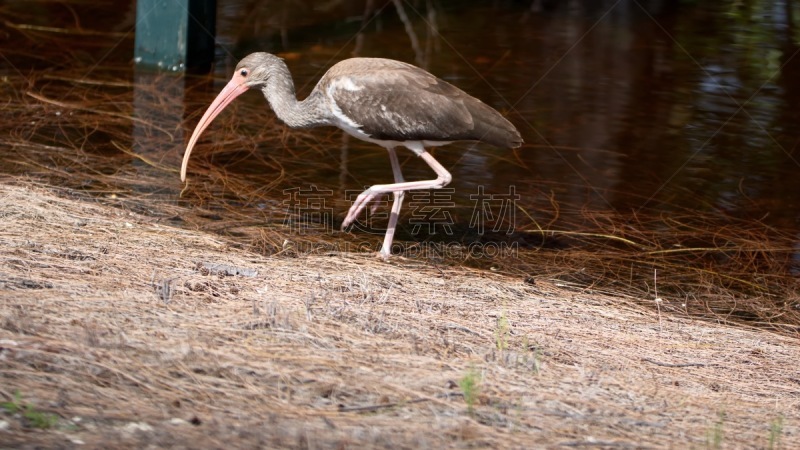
(361, 202)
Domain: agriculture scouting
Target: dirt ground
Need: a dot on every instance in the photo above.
(129, 333)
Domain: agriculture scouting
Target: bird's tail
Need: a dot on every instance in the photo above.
(492, 128)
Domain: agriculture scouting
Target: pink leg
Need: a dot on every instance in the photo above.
(386, 249)
(443, 177)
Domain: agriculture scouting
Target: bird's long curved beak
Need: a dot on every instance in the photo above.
(233, 89)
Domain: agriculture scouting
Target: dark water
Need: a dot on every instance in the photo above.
(633, 112)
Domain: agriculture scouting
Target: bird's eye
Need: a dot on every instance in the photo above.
(243, 72)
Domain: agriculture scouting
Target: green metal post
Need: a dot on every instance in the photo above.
(175, 35)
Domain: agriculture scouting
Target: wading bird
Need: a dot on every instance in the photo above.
(387, 102)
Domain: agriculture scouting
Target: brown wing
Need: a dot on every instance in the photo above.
(392, 100)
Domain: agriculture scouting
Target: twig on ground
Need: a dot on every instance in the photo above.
(658, 363)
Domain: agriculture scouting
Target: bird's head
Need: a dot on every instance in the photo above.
(255, 69)
(252, 71)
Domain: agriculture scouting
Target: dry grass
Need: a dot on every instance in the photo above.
(76, 133)
(733, 271)
(114, 322)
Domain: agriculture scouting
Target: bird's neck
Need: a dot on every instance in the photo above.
(280, 93)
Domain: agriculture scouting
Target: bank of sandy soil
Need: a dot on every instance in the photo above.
(123, 328)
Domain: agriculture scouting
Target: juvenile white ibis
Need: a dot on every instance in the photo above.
(387, 102)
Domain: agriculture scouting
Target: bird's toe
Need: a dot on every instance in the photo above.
(361, 202)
